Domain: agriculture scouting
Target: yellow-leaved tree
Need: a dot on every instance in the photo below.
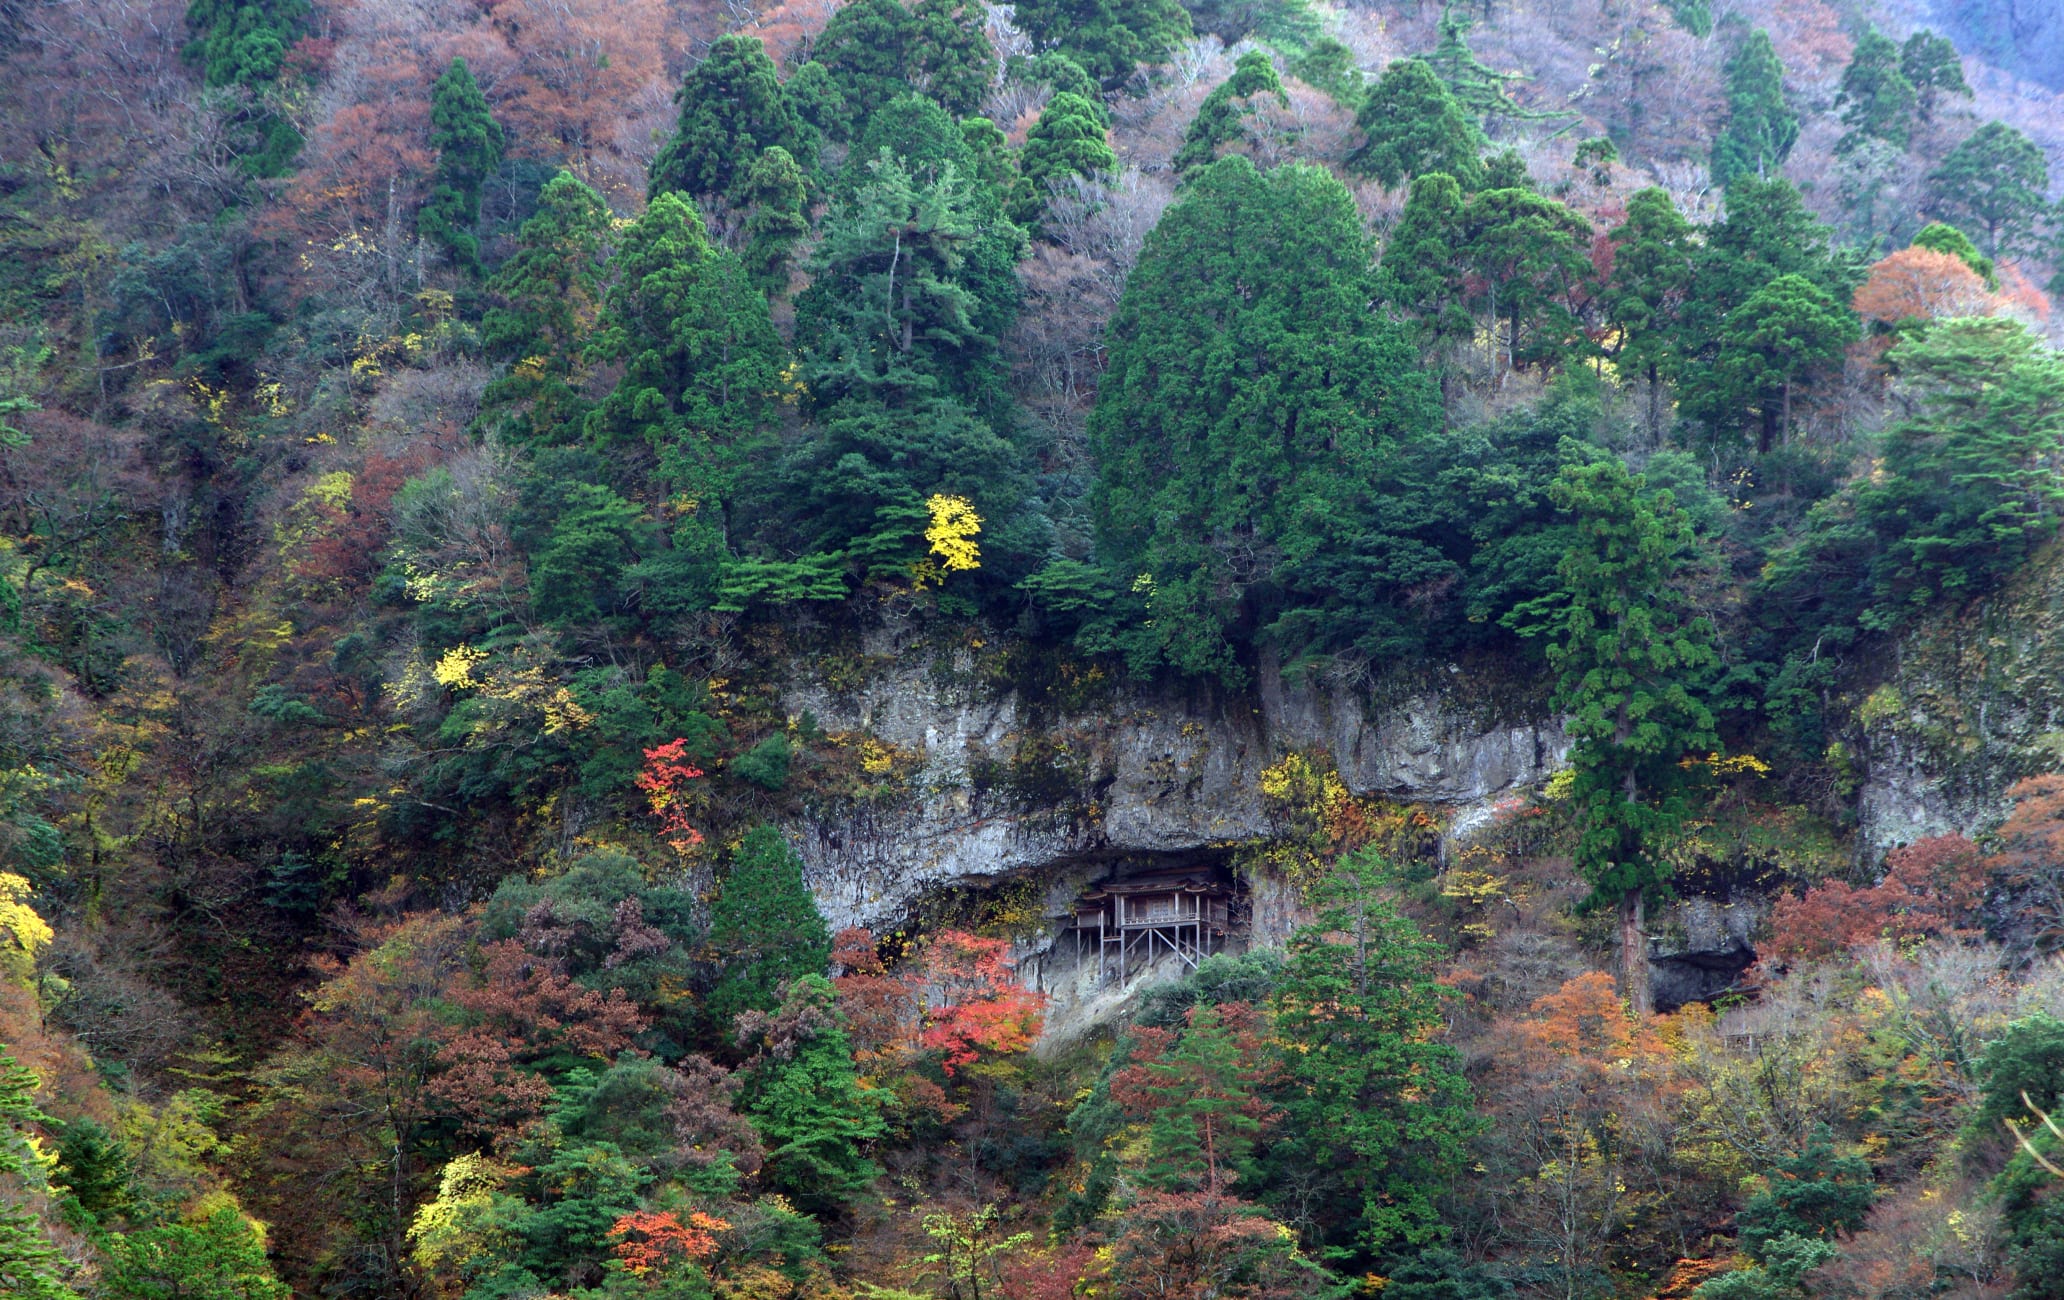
(951, 538)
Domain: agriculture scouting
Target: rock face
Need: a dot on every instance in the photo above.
(1006, 787)
(1968, 705)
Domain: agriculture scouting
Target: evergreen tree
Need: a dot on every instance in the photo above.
(1767, 232)
(1654, 259)
(810, 1108)
(1933, 68)
(733, 109)
(244, 43)
(31, 1266)
(1630, 657)
(1529, 254)
(1944, 238)
(469, 148)
(1968, 488)
(1247, 418)
(776, 204)
(218, 1256)
(874, 51)
(1412, 126)
(1376, 1114)
(1108, 39)
(1222, 118)
(765, 929)
(912, 286)
(1815, 1194)
(1069, 139)
(1876, 99)
(1058, 73)
(579, 567)
(1203, 1114)
(548, 295)
(1761, 128)
(1480, 89)
(1770, 348)
(950, 54)
(701, 361)
(94, 1167)
(991, 161)
(1999, 179)
(1422, 274)
(1329, 65)
(1287, 25)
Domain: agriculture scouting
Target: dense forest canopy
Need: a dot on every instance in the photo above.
(457, 459)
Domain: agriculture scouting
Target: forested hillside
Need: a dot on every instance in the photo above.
(1158, 649)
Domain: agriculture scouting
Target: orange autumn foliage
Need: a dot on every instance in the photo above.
(664, 780)
(1922, 284)
(2030, 857)
(646, 1240)
(973, 1002)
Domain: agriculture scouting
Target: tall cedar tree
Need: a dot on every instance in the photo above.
(1109, 39)
(807, 1101)
(1876, 99)
(1934, 69)
(1200, 1093)
(1069, 139)
(1761, 128)
(1413, 125)
(733, 108)
(1969, 487)
(548, 295)
(1222, 118)
(702, 365)
(1248, 417)
(1529, 255)
(1423, 274)
(1998, 178)
(776, 202)
(1654, 259)
(1376, 1113)
(873, 51)
(244, 43)
(469, 148)
(1630, 656)
(1788, 335)
(765, 930)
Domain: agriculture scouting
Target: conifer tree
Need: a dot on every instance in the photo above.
(1413, 126)
(1422, 274)
(1654, 258)
(469, 148)
(1108, 39)
(775, 200)
(1761, 128)
(1945, 238)
(31, 1266)
(865, 51)
(547, 297)
(1069, 139)
(1999, 179)
(1222, 118)
(1528, 253)
(1376, 1113)
(950, 54)
(1248, 417)
(1876, 99)
(1630, 657)
(244, 43)
(1933, 68)
(1771, 348)
(809, 1105)
(1329, 65)
(765, 929)
(733, 108)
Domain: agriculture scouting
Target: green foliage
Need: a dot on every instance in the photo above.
(469, 150)
(1967, 490)
(1771, 349)
(1877, 100)
(1108, 39)
(1529, 254)
(1288, 25)
(1785, 1263)
(1069, 139)
(1761, 127)
(2027, 1057)
(216, 1257)
(1439, 1273)
(547, 295)
(812, 1111)
(1931, 65)
(1376, 1115)
(243, 44)
(1412, 126)
(577, 573)
(1694, 16)
(1424, 267)
(1329, 65)
(776, 201)
(1222, 118)
(94, 1167)
(31, 1266)
(873, 51)
(1654, 259)
(1944, 238)
(733, 110)
(1630, 657)
(765, 764)
(764, 929)
(1815, 1194)
(1246, 421)
(1998, 179)
(1478, 88)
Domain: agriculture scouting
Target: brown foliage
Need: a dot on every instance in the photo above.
(1932, 888)
(2030, 857)
(1922, 284)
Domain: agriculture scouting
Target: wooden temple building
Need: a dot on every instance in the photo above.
(1128, 923)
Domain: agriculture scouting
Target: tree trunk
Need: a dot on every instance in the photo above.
(1634, 954)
